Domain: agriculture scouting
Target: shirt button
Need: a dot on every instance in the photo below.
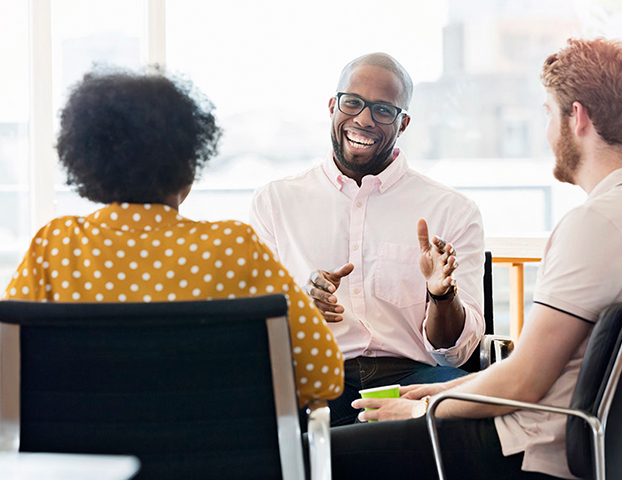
(356, 289)
(368, 353)
(355, 247)
(359, 204)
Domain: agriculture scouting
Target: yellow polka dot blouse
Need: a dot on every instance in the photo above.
(144, 253)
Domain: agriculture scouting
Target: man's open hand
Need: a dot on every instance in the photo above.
(438, 260)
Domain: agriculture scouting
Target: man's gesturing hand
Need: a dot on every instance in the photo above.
(321, 288)
(438, 260)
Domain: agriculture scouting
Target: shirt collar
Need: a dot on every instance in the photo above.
(610, 181)
(385, 179)
(135, 216)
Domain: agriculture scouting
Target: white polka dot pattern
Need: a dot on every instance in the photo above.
(149, 253)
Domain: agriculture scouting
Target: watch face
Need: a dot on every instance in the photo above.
(420, 409)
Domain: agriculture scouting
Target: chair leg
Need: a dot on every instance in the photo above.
(598, 445)
(319, 440)
(436, 447)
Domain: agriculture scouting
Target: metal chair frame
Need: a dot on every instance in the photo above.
(597, 423)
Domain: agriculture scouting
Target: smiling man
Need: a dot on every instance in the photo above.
(355, 230)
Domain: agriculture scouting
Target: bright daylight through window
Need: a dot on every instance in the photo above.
(270, 68)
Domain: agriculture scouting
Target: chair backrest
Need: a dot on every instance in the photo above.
(187, 387)
(597, 392)
(473, 363)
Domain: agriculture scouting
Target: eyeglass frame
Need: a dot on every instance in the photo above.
(368, 104)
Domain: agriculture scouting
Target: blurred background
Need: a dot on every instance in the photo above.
(270, 68)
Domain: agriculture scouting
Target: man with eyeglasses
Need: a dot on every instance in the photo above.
(355, 230)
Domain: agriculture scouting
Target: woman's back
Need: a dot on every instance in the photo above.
(148, 252)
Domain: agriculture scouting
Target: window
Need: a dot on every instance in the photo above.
(270, 68)
(85, 34)
(15, 229)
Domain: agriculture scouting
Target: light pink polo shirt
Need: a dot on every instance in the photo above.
(579, 275)
(322, 219)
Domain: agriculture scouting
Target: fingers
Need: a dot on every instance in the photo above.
(383, 409)
(414, 395)
(414, 392)
(439, 243)
(450, 266)
(332, 311)
(321, 288)
(409, 388)
(443, 247)
(369, 402)
(424, 240)
(368, 415)
(422, 234)
(326, 303)
(337, 274)
(447, 251)
(319, 280)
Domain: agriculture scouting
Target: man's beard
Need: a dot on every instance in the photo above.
(567, 155)
(371, 167)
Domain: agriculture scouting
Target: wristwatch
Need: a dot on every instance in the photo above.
(421, 407)
(451, 293)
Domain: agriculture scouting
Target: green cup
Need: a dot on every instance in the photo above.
(388, 391)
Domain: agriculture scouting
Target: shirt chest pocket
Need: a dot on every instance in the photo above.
(398, 278)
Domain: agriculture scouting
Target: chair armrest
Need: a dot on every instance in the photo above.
(318, 429)
(494, 348)
(598, 432)
(9, 387)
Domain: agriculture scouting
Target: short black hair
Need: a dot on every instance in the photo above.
(135, 137)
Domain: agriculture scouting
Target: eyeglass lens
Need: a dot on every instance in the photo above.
(380, 112)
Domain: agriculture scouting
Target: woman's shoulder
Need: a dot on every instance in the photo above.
(227, 228)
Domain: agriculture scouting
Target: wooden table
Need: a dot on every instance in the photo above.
(514, 253)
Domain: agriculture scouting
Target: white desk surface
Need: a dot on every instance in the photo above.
(57, 466)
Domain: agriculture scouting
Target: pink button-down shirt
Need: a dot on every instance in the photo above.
(322, 219)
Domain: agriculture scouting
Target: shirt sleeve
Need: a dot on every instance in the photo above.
(468, 240)
(27, 282)
(317, 359)
(260, 217)
(580, 257)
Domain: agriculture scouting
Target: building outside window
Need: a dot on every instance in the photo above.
(270, 68)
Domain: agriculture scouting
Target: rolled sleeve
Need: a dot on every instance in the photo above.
(468, 340)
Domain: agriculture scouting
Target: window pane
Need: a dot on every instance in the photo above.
(270, 68)
(84, 34)
(477, 118)
(14, 112)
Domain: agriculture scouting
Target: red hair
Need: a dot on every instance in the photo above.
(589, 72)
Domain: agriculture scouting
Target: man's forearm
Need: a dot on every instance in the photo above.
(445, 322)
(492, 382)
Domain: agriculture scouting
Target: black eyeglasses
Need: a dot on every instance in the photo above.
(381, 112)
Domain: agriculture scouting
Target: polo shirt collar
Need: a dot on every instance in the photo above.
(385, 179)
(610, 181)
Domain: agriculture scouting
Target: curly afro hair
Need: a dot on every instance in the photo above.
(136, 138)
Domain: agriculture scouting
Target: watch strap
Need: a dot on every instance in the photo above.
(445, 296)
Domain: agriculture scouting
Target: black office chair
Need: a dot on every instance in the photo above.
(594, 425)
(195, 390)
(492, 347)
